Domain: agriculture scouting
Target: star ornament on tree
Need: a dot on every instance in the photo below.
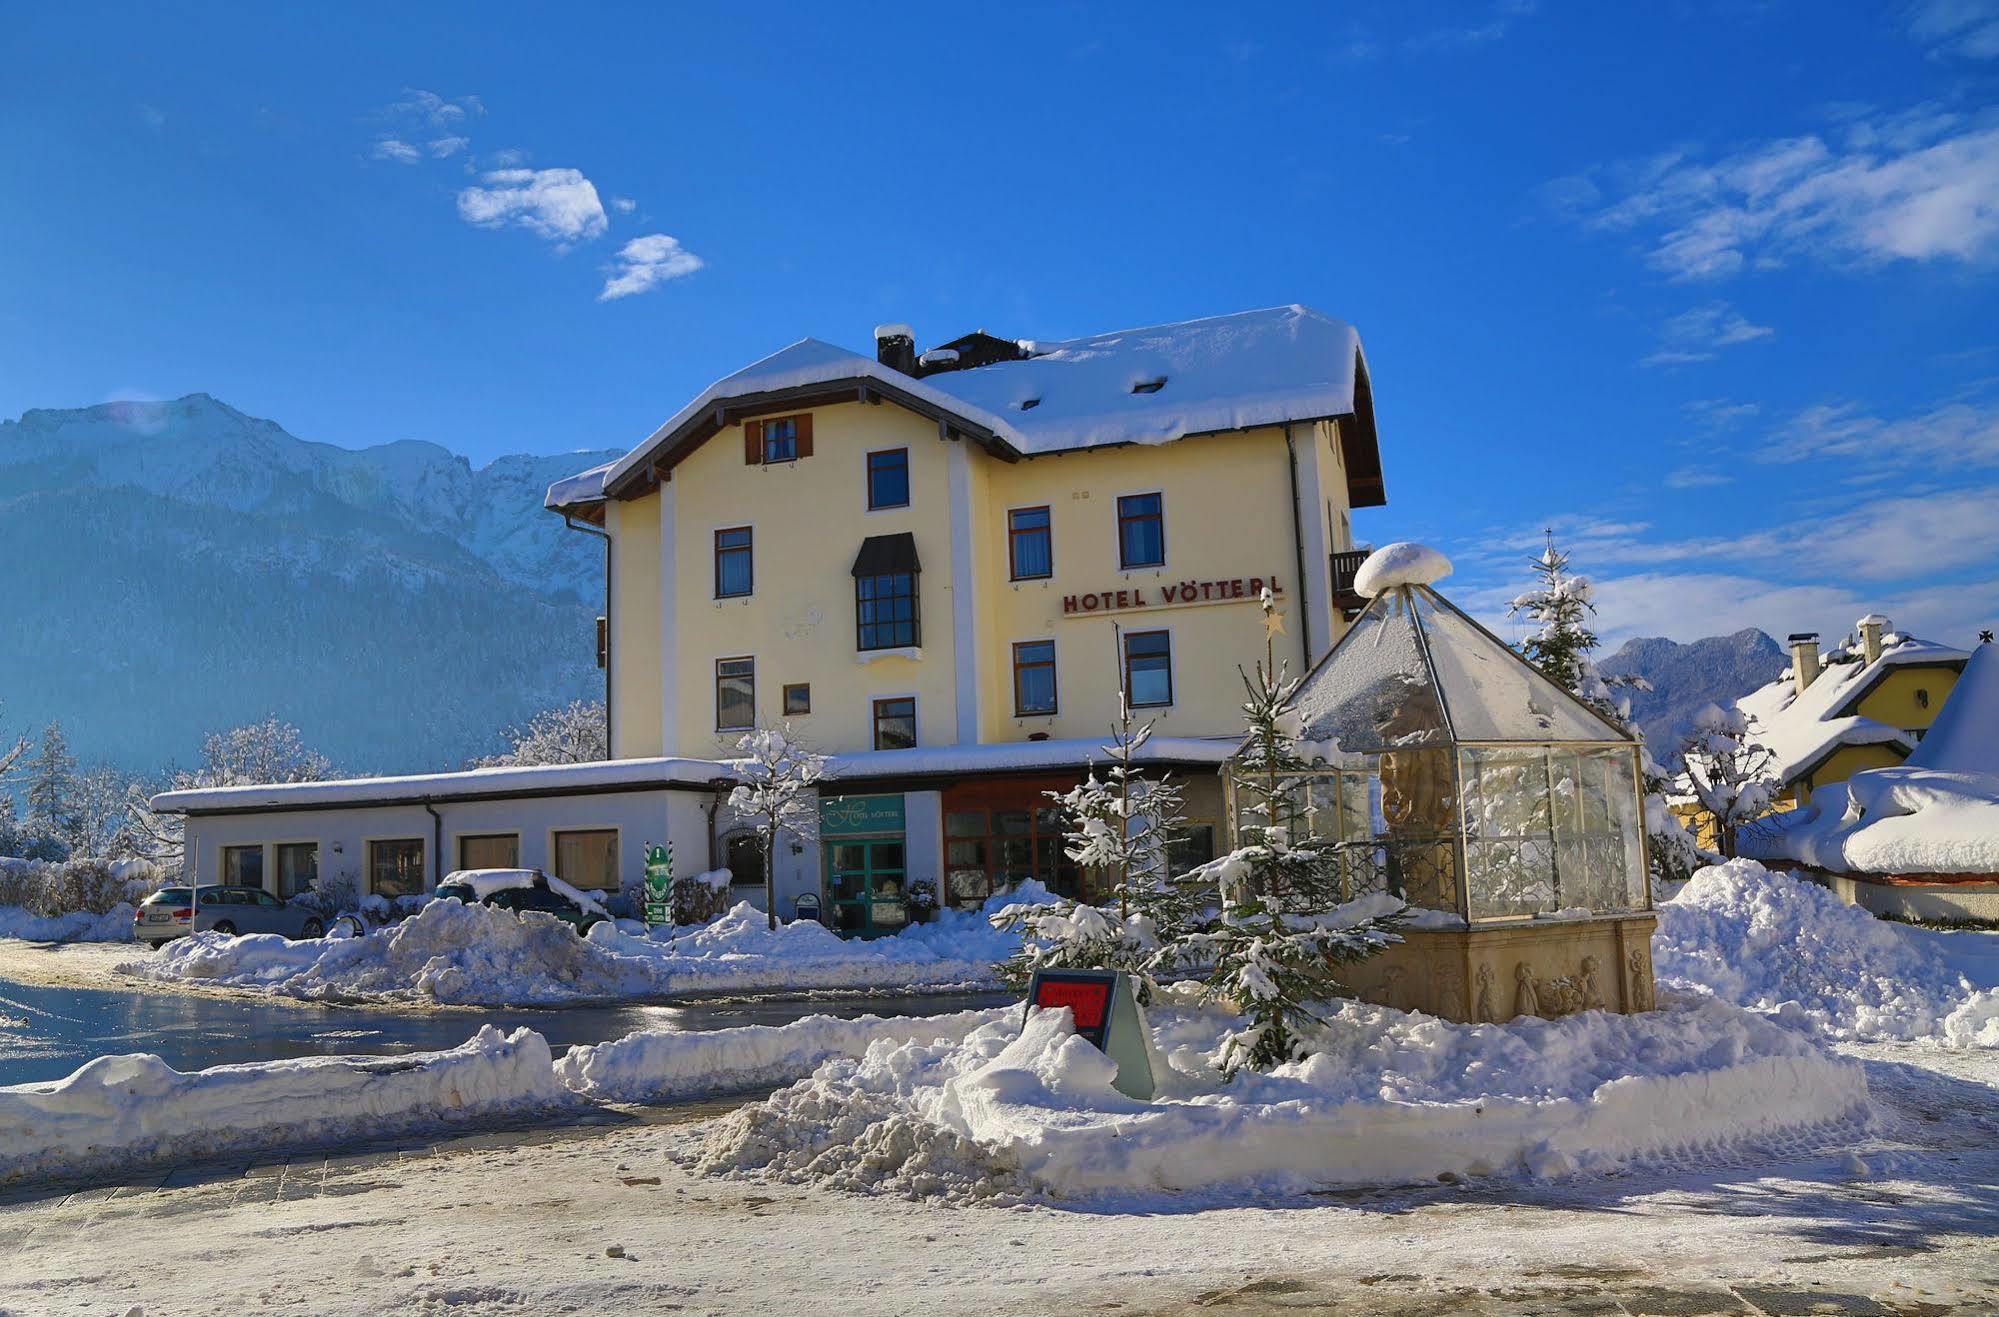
(1273, 623)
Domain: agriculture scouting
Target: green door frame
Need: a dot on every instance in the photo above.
(861, 902)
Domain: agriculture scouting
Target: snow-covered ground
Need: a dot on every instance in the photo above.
(476, 955)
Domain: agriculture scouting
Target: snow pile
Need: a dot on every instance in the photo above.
(1901, 820)
(479, 956)
(656, 1066)
(120, 1111)
(1402, 563)
(1388, 1097)
(447, 952)
(1791, 949)
(114, 925)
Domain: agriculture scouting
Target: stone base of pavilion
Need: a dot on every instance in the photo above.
(1493, 973)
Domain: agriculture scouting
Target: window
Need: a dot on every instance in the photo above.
(885, 610)
(395, 868)
(888, 479)
(991, 845)
(1922, 699)
(1191, 848)
(298, 867)
(494, 850)
(1033, 678)
(588, 859)
(1141, 531)
(735, 694)
(1148, 668)
(895, 723)
(1029, 548)
(797, 699)
(1153, 385)
(243, 866)
(781, 439)
(743, 857)
(733, 574)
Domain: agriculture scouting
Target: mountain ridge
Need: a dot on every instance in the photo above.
(398, 603)
(1685, 677)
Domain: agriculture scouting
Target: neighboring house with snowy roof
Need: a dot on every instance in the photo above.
(1866, 704)
(941, 567)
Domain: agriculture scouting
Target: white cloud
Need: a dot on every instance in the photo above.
(1968, 28)
(624, 205)
(559, 204)
(1471, 36)
(1687, 606)
(1956, 434)
(435, 111)
(440, 147)
(1700, 334)
(153, 117)
(1694, 477)
(1922, 185)
(396, 149)
(647, 262)
(1721, 413)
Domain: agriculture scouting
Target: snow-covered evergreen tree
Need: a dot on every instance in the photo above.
(1278, 937)
(1118, 828)
(1728, 772)
(575, 733)
(51, 777)
(10, 825)
(1561, 644)
(778, 796)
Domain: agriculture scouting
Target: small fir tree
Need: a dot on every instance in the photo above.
(1121, 827)
(1728, 772)
(10, 825)
(1560, 645)
(51, 775)
(778, 796)
(1277, 938)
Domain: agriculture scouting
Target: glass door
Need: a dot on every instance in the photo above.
(864, 883)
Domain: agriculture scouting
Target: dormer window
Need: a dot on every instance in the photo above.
(779, 439)
(1030, 404)
(1153, 385)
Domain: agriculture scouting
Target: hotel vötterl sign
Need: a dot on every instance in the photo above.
(1173, 594)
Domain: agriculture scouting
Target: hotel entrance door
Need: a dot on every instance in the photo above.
(865, 881)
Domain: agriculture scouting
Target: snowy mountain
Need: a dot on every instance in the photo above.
(178, 567)
(1685, 677)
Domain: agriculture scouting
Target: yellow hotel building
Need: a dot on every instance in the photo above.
(938, 568)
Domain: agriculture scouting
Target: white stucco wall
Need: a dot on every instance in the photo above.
(640, 817)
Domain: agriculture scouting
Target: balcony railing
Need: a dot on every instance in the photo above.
(1344, 565)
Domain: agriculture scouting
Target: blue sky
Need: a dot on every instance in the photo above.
(1708, 287)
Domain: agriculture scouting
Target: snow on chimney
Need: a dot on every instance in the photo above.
(1871, 628)
(1804, 658)
(895, 347)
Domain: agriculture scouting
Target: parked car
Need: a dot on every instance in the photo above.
(169, 913)
(524, 889)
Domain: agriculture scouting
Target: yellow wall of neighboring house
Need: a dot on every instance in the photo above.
(1228, 526)
(1898, 699)
(1844, 763)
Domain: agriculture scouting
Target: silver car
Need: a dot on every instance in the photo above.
(170, 913)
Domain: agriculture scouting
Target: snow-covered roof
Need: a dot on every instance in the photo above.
(1965, 736)
(583, 487)
(473, 783)
(1901, 820)
(1231, 372)
(1801, 730)
(1008, 756)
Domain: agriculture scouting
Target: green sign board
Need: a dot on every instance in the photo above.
(858, 816)
(659, 884)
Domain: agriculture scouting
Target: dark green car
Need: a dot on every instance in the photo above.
(524, 889)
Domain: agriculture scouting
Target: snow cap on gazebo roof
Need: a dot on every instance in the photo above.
(1414, 671)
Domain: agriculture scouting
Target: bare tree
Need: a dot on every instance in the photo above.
(267, 751)
(778, 796)
(1728, 772)
(575, 733)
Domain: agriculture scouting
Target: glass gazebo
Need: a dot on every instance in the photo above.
(1448, 771)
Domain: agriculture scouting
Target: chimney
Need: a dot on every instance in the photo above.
(1804, 658)
(895, 347)
(1871, 628)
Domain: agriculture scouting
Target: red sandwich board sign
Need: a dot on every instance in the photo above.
(1106, 1013)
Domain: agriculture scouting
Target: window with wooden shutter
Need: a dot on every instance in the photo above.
(753, 442)
(805, 435)
(777, 439)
